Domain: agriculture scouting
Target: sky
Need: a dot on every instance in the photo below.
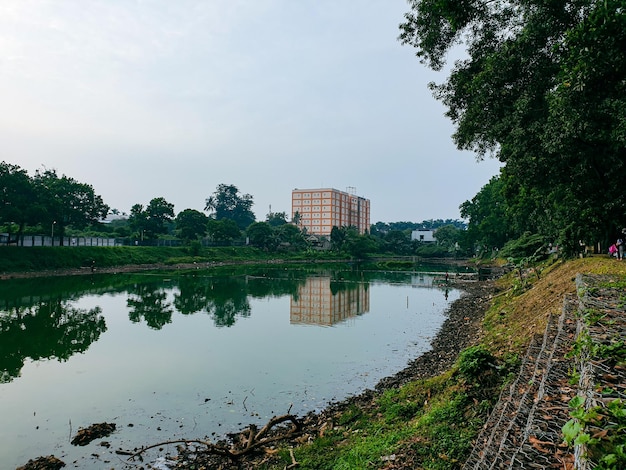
(161, 98)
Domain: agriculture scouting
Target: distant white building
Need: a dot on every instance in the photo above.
(423, 235)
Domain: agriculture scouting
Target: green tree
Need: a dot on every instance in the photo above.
(357, 245)
(160, 213)
(447, 236)
(291, 235)
(348, 240)
(227, 203)
(379, 229)
(398, 242)
(338, 237)
(138, 220)
(542, 89)
(120, 227)
(191, 224)
(18, 199)
(66, 202)
(223, 231)
(152, 220)
(486, 213)
(586, 131)
(297, 217)
(276, 218)
(260, 234)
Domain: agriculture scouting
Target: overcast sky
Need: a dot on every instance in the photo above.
(169, 98)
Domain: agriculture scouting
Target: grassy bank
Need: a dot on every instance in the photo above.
(18, 259)
(429, 423)
(432, 423)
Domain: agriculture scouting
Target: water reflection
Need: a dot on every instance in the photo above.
(242, 329)
(227, 298)
(325, 301)
(37, 320)
(149, 301)
(50, 329)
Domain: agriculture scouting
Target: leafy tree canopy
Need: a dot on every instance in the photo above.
(191, 224)
(18, 198)
(543, 90)
(152, 220)
(223, 231)
(227, 203)
(291, 235)
(276, 218)
(64, 201)
(261, 235)
(448, 236)
(381, 228)
(487, 216)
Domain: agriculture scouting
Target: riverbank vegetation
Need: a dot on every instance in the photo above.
(17, 259)
(74, 215)
(432, 422)
(541, 88)
(431, 416)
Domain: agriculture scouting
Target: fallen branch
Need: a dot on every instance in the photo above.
(250, 438)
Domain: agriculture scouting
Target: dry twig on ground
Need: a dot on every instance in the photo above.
(245, 442)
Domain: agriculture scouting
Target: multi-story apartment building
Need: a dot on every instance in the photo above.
(319, 210)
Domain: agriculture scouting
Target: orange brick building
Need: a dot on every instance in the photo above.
(319, 210)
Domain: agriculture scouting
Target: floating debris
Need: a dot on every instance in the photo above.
(43, 463)
(85, 435)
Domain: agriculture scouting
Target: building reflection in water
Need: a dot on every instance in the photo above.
(321, 301)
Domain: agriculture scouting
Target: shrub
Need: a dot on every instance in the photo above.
(527, 245)
(474, 362)
(194, 248)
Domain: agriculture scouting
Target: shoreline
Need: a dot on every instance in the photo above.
(460, 329)
(130, 268)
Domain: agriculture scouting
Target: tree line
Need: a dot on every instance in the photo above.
(542, 87)
(47, 202)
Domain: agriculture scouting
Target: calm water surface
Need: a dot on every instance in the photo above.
(189, 356)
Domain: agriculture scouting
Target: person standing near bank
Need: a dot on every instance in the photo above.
(620, 245)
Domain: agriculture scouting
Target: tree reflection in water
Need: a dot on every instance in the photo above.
(37, 322)
(221, 297)
(46, 330)
(149, 301)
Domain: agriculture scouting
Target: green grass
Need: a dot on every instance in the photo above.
(19, 259)
(433, 420)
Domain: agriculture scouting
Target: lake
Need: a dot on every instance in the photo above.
(196, 354)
